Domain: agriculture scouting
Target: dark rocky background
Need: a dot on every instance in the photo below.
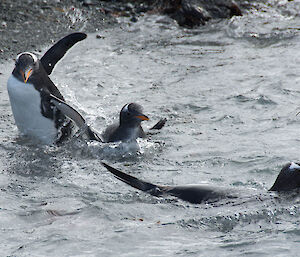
(26, 25)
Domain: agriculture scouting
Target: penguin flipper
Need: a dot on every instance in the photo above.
(74, 115)
(135, 182)
(58, 50)
(68, 110)
(159, 125)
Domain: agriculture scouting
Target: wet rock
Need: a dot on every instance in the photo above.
(106, 10)
(45, 7)
(129, 7)
(125, 14)
(43, 21)
(99, 36)
(235, 10)
(87, 3)
(133, 19)
(142, 8)
(190, 15)
(195, 13)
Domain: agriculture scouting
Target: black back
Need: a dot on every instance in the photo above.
(198, 193)
(288, 178)
(191, 193)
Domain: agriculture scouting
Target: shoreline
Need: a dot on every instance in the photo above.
(28, 26)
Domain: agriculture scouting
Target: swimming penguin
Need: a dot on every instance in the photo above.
(190, 193)
(29, 88)
(128, 128)
(129, 125)
(288, 179)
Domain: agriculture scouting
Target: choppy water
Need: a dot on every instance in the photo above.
(230, 93)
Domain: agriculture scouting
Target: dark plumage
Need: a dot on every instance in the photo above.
(190, 193)
(29, 89)
(288, 179)
(129, 125)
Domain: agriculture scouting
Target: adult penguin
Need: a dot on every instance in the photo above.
(288, 179)
(30, 89)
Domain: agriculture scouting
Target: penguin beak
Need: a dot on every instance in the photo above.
(26, 74)
(142, 117)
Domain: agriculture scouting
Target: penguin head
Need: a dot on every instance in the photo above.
(26, 64)
(131, 115)
(288, 178)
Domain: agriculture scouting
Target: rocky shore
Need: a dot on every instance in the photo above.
(26, 25)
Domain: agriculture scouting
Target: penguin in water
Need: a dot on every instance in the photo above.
(128, 128)
(30, 92)
(287, 180)
(129, 125)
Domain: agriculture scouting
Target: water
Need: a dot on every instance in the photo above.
(229, 91)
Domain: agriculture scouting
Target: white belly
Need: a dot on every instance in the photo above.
(26, 107)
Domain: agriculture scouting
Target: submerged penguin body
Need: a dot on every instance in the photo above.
(288, 179)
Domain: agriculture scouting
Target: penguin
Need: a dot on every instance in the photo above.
(74, 115)
(129, 125)
(287, 180)
(128, 128)
(29, 89)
